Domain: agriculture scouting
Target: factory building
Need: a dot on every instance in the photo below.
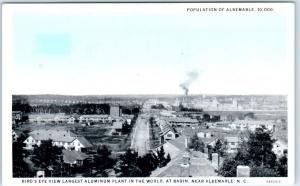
(115, 110)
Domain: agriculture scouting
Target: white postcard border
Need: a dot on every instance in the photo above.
(7, 57)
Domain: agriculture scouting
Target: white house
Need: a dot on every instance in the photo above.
(16, 116)
(183, 121)
(15, 135)
(59, 137)
(117, 127)
(204, 134)
(231, 144)
(101, 118)
(47, 118)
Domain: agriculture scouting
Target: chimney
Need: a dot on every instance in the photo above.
(186, 142)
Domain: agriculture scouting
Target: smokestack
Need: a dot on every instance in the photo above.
(186, 90)
(192, 76)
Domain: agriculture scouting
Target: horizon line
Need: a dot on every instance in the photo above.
(200, 94)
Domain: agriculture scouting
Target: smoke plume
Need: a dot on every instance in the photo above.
(191, 77)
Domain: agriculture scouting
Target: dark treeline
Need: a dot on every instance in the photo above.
(130, 110)
(187, 109)
(23, 107)
(71, 109)
(80, 108)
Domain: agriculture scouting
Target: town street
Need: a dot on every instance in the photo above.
(140, 141)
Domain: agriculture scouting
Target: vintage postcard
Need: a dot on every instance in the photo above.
(148, 94)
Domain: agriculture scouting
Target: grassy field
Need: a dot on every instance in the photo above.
(100, 136)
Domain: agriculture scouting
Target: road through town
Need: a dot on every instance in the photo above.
(140, 140)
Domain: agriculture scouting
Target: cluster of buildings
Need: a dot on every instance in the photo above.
(74, 146)
(243, 125)
(60, 137)
(172, 128)
(62, 118)
(173, 125)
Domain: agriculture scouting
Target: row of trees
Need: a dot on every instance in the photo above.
(256, 152)
(50, 159)
(187, 109)
(132, 165)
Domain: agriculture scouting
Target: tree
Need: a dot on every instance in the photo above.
(20, 167)
(147, 163)
(197, 144)
(215, 118)
(168, 159)
(102, 160)
(206, 117)
(219, 148)
(228, 168)
(132, 165)
(127, 165)
(282, 165)
(47, 155)
(260, 147)
(126, 128)
(250, 115)
(255, 152)
(161, 157)
(263, 172)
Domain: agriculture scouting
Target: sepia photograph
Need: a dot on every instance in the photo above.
(196, 92)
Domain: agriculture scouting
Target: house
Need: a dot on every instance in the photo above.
(174, 146)
(74, 158)
(209, 142)
(60, 137)
(96, 118)
(167, 132)
(117, 127)
(61, 118)
(47, 118)
(16, 117)
(204, 134)
(183, 163)
(183, 121)
(15, 135)
(231, 144)
(71, 120)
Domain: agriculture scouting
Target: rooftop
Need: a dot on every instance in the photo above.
(178, 142)
(117, 125)
(232, 139)
(53, 134)
(182, 120)
(71, 156)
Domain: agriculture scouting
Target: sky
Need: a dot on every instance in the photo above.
(138, 50)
